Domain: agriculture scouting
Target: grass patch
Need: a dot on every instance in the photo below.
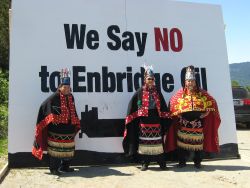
(3, 147)
(3, 152)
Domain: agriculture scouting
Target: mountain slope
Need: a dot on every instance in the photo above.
(240, 72)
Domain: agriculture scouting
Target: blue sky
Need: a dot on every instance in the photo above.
(236, 15)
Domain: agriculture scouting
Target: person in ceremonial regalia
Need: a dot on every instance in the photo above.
(195, 124)
(57, 125)
(146, 123)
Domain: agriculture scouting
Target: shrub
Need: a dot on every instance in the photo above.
(3, 121)
(4, 85)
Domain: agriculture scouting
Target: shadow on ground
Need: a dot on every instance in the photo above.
(92, 172)
(208, 168)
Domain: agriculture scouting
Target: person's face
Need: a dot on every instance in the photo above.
(150, 81)
(190, 84)
(65, 89)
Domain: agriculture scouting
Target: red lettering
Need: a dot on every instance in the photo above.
(174, 37)
(161, 40)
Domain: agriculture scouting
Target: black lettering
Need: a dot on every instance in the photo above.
(183, 72)
(167, 82)
(111, 81)
(74, 35)
(137, 77)
(197, 77)
(128, 43)
(129, 79)
(92, 39)
(120, 77)
(157, 81)
(116, 39)
(52, 81)
(141, 43)
(106, 76)
(44, 74)
(77, 79)
(90, 77)
(204, 78)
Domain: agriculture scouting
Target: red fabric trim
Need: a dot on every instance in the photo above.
(192, 129)
(149, 131)
(125, 133)
(211, 138)
(65, 112)
(149, 125)
(165, 115)
(39, 127)
(143, 111)
(131, 117)
(170, 138)
(74, 119)
(38, 153)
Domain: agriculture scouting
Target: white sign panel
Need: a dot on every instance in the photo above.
(105, 44)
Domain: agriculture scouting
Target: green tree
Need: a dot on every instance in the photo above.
(234, 83)
(248, 88)
(4, 34)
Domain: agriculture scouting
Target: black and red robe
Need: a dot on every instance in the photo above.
(57, 124)
(144, 127)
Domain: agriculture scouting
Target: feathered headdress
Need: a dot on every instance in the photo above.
(148, 71)
(190, 73)
(65, 76)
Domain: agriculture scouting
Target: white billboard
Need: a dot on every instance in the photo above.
(105, 44)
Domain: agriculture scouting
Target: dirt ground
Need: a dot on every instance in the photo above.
(221, 173)
(3, 161)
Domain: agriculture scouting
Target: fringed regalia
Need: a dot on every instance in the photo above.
(189, 131)
(146, 122)
(57, 125)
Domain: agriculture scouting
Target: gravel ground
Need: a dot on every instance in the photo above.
(221, 173)
(3, 161)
